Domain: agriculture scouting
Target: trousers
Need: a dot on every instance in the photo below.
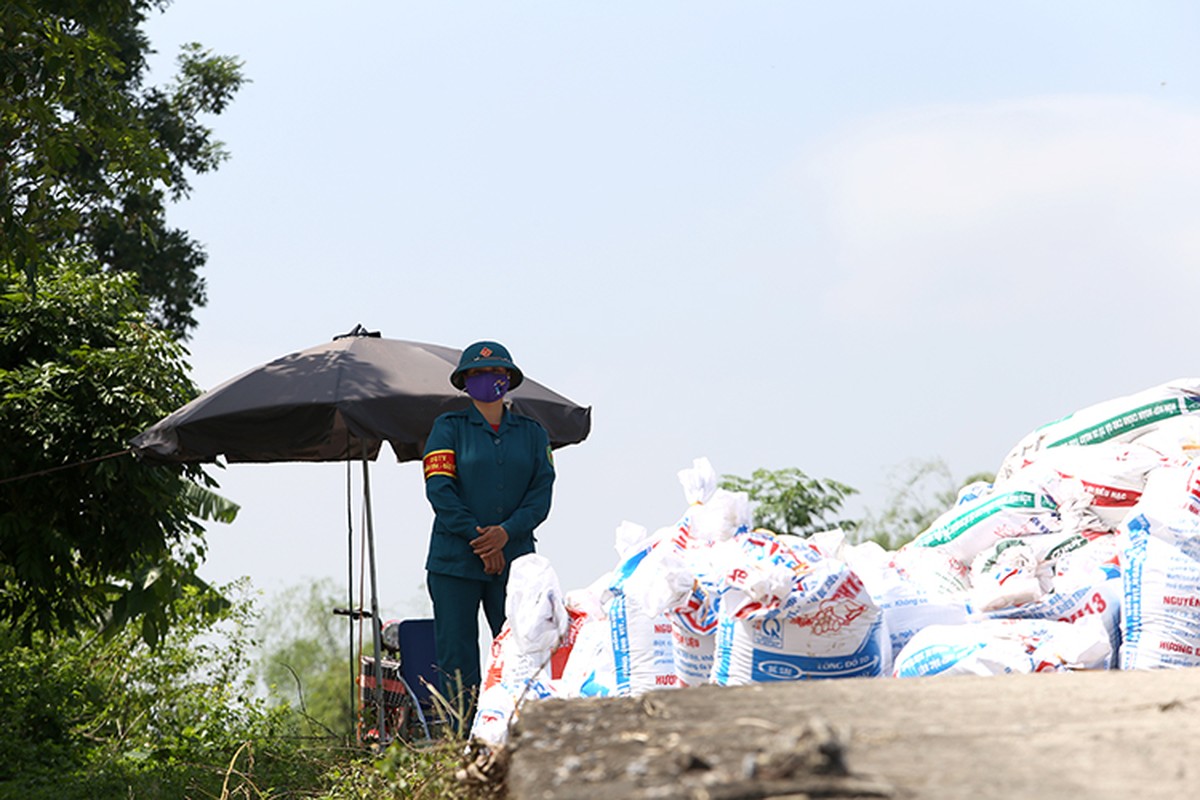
(456, 604)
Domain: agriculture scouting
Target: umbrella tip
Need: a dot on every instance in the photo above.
(358, 330)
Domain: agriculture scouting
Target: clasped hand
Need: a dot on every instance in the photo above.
(489, 546)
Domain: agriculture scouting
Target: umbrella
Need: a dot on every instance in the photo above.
(336, 401)
(339, 401)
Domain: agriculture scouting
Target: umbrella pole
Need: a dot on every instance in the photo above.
(376, 629)
(356, 724)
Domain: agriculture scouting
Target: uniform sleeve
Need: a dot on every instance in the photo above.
(442, 486)
(535, 505)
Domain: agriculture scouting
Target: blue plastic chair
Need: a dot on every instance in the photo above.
(418, 665)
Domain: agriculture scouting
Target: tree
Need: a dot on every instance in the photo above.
(920, 491)
(789, 501)
(88, 533)
(89, 155)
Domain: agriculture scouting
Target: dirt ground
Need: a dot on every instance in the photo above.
(1053, 735)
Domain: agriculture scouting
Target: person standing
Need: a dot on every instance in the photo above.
(489, 476)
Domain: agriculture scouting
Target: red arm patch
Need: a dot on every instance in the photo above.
(440, 462)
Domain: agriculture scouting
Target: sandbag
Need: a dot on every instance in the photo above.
(535, 626)
(589, 670)
(967, 529)
(643, 651)
(1122, 419)
(693, 633)
(1160, 564)
(997, 647)
(1014, 572)
(534, 605)
(790, 613)
(1096, 485)
(640, 635)
(498, 706)
(1176, 439)
(831, 643)
(933, 569)
(907, 601)
(908, 605)
(713, 514)
(586, 667)
(1101, 600)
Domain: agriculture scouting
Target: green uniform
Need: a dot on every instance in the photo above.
(475, 477)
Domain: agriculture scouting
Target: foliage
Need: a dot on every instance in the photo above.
(90, 155)
(111, 718)
(403, 770)
(920, 491)
(115, 718)
(87, 532)
(789, 501)
(304, 657)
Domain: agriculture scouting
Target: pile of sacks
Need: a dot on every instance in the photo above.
(1083, 554)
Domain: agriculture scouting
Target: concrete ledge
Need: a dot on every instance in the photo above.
(1055, 735)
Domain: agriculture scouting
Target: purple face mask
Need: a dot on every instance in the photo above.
(487, 387)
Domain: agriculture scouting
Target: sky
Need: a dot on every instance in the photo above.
(842, 237)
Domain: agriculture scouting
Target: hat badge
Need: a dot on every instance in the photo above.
(485, 352)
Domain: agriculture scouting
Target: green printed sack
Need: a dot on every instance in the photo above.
(1123, 419)
(967, 529)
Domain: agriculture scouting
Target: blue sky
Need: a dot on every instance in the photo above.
(834, 236)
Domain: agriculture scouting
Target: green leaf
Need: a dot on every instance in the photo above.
(150, 631)
(208, 505)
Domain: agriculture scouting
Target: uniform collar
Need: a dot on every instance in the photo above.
(477, 418)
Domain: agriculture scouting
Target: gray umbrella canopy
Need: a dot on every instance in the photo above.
(337, 401)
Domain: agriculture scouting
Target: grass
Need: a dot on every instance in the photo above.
(438, 769)
(446, 767)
